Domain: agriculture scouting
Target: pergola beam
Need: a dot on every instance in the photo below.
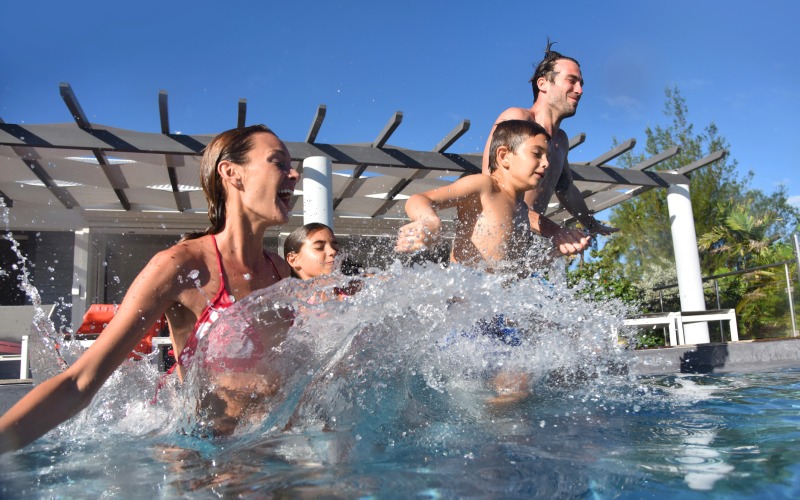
(452, 137)
(577, 140)
(241, 115)
(611, 198)
(597, 194)
(181, 199)
(610, 155)
(388, 130)
(398, 188)
(316, 124)
(60, 137)
(113, 172)
(31, 159)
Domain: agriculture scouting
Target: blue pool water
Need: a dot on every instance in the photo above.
(383, 395)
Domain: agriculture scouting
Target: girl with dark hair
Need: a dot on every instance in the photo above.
(311, 251)
(248, 180)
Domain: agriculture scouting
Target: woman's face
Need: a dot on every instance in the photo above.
(317, 256)
(268, 180)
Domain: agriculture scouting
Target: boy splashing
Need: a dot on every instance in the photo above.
(492, 229)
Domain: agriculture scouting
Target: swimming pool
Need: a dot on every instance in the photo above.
(408, 414)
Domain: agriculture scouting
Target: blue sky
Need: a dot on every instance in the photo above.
(735, 62)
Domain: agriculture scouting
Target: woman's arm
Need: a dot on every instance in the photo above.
(64, 395)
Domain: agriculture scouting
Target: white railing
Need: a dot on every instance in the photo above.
(675, 321)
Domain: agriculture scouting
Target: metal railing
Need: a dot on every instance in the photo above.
(714, 279)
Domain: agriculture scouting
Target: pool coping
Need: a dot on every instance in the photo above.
(728, 357)
(724, 357)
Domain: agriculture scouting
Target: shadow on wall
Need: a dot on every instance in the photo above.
(705, 359)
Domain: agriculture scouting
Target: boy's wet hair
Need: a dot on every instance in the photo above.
(547, 68)
(511, 134)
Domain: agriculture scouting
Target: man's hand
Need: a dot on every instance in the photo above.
(571, 241)
(416, 236)
(596, 228)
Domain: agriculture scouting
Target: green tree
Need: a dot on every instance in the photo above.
(738, 226)
(747, 238)
(646, 236)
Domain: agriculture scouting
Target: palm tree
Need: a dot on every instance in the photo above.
(745, 240)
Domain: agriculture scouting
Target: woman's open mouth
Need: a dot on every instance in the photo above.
(285, 195)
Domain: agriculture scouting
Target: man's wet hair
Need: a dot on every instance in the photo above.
(511, 134)
(547, 68)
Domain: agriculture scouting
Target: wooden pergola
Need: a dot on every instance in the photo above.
(80, 174)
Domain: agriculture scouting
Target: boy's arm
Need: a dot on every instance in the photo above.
(509, 114)
(421, 209)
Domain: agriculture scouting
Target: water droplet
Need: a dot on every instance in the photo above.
(193, 274)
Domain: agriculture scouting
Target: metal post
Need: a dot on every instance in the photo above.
(318, 190)
(797, 255)
(791, 301)
(719, 306)
(23, 359)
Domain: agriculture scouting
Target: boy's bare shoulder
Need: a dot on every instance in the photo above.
(478, 182)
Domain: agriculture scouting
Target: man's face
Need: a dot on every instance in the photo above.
(566, 90)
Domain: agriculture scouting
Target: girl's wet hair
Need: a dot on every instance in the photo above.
(547, 68)
(297, 238)
(232, 145)
(511, 134)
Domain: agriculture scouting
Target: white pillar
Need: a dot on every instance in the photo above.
(318, 190)
(687, 260)
(80, 275)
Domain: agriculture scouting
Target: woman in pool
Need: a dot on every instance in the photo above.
(248, 180)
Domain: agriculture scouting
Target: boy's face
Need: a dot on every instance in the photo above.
(529, 162)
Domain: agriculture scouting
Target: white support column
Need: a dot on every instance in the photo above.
(318, 190)
(80, 275)
(687, 260)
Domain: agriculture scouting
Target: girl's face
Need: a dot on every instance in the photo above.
(317, 256)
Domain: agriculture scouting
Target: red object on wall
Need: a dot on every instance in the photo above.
(97, 318)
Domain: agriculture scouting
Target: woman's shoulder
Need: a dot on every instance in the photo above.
(186, 252)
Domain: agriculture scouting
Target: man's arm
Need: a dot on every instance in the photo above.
(573, 201)
(568, 241)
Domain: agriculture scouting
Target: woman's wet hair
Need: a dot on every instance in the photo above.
(511, 134)
(232, 145)
(547, 68)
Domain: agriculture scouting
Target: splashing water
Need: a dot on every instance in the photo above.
(43, 339)
(428, 380)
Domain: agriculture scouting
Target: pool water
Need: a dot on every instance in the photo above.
(387, 395)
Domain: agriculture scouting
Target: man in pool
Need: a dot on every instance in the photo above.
(557, 88)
